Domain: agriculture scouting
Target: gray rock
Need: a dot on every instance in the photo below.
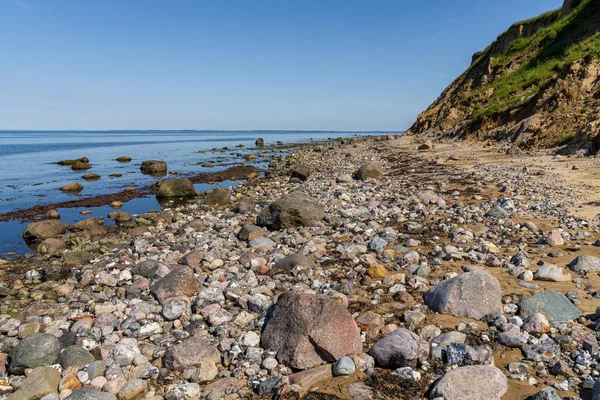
(497, 212)
(249, 231)
(400, 348)
(344, 366)
(36, 350)
(294, 209)
(300, 172)
(547, 351)
(476, 382)
(176, 307)
(473, 295)
(554, 305)
(510, 339)
(89, 394)
(344, 178)
(150, 269)
(585, 264)
(287, 264)
(75, 355)
(547, 393)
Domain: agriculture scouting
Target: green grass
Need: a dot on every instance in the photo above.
(564, 139)
(571, 38)
(550, 15)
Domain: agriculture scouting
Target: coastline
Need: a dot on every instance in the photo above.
(424, 221)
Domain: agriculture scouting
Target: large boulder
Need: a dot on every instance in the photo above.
(153, 167)
(306, 330)
(554, 305)
(217, 197)
(474, 382)
(191, 353)
(473, 295)
(36, 350)
(294, 209)
(176, 188)
(260, 142)
(179, 282)
(38, 231)
(400, 348)
(39, 383)
(372, 170)
(584, 263)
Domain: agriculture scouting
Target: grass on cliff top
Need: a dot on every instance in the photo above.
(573, 37)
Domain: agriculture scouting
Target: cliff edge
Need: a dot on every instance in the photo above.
(536, 85)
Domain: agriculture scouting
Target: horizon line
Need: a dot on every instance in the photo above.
(202, 130)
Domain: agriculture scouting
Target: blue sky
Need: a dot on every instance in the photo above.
(220, 64)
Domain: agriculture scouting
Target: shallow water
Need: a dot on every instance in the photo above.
(29, 175)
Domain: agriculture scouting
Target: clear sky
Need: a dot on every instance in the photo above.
(247, 64)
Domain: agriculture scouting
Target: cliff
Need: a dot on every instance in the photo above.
(537, 84)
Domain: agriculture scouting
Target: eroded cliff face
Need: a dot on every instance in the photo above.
(536, 85)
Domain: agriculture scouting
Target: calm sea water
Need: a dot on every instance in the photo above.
(30, 176)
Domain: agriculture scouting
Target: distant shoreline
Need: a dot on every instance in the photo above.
(198, 130)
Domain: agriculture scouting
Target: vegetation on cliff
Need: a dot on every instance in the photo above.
(532, 69)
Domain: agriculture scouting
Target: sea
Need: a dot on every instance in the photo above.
(30, 175)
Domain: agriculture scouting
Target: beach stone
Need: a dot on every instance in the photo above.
(472, 294)
(191, 353)
(547, 352)
(92, 176)
(184, 391)
(217, 197)
(555, 306)
(132, 389)
(176, 307)
(536, 323)
(52, 214)
(497, 212)
(78, 257)
(344, 178)
(371, 323)
(88, 224)
(150, 269)
(40, 382)
(36, 350)
(176, 188)
(300, 172)
(123, 159)
(292, 210)
(401, 348)
(554, 238)
(259, 142)
(377, 272)
(547, 393)
(179, 282)
(372, 170)
(249, 232)
(552, 273)
(52, 246)
(584, 263)
(262, 244)
(75, 355)
(513, 340)
(120, 217)
(56, 272)
(305, 330)
(72, 187)
(153, 167)
(344, 366)
(287, 264)
(38, 231)
(474, 382)
(89, 394)
(310, 377)
(71, 162)
(80, 166)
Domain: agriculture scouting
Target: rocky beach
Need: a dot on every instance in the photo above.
(371, 268)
